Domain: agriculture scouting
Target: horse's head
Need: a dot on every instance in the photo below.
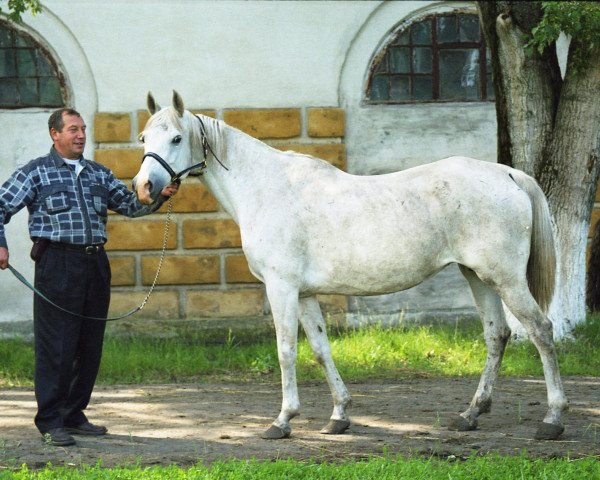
(167, 142)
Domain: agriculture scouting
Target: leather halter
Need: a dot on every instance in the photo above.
(176, 177)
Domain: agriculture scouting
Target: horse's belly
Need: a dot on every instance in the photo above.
(372, 277)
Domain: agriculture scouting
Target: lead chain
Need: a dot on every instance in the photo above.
(162, 254)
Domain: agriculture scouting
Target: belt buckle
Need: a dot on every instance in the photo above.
(91, 249)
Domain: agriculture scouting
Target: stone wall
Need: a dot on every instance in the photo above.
(204, 273)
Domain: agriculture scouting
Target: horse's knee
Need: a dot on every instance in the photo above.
(287, 355)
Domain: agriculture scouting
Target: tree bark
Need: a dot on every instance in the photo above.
(570, 177)
(548, 128)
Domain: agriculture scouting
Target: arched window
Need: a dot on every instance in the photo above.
(439, 58)
(29, 77)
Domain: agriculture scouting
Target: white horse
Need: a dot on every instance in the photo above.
(310, 228)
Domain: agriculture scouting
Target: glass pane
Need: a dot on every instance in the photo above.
(50, 91)
(421, 32)
(7, 63)
(23, 41)
(27, 75)
(423, 88)
(8, 91)
(44, 68)
(28, 91)
(26, 62)
(380, 89)
(399, 88)
(422, 60)
(469, 28)
(459, 75)
(399, 60)
(402, 38)
(5, 37)
(447, 29)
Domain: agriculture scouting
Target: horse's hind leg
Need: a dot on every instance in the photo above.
(521, 303)
(496, 333)
(315, 328)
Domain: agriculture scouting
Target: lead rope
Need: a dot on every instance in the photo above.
(162, 254)
(24, 281)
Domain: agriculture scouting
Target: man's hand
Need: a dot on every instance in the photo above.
(3, 258)
(170, 190)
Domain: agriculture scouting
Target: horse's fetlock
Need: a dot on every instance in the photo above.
(484, 406)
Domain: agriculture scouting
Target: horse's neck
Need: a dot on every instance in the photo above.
(250, 168)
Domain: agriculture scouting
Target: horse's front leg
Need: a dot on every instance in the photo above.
(284, 307)
(316, 333)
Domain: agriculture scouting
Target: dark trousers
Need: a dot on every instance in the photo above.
(68, 348)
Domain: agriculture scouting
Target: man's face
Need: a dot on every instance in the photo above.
(70, 142)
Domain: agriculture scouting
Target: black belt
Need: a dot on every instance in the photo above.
(87, 249)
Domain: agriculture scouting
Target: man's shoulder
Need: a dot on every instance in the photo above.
(43, 161)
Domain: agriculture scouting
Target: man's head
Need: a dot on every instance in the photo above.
(67, 130)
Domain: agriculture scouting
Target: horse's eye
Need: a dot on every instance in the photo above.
(177, 140)
(142, 138)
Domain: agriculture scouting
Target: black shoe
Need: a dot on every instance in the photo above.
(58, 437)
(87, 428)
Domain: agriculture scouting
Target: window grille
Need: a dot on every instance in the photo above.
(29, 77)
(435, 59)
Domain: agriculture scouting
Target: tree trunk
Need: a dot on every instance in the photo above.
(570, 177)
(549, 129)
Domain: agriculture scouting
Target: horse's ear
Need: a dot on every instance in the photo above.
(178, 103)
(153, 107)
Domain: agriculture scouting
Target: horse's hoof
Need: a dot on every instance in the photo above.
(335, 427)
(276, 433)
(549, 431)
(461, 424)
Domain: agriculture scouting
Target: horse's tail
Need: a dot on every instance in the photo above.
(541, 268)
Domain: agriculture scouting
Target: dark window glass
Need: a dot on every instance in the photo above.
(459, 79)
(438, 58)
(447, 29)
(421, 33)
(28, 76)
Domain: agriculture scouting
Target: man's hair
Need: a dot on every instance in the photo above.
(56, 121)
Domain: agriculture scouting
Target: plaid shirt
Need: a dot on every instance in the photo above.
(65, 207)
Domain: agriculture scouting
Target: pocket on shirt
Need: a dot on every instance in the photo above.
(56, 198)
(100, 199)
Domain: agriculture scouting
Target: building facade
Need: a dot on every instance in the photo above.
(371, 87)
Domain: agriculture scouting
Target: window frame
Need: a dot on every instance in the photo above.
(383, 52)
(26, 41)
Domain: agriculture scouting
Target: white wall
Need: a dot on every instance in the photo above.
(215, 53)
(232, 54)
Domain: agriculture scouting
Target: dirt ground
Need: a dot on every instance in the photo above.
(182, 424)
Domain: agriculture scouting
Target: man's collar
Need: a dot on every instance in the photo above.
(59, 161)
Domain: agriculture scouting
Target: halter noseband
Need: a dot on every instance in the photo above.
(176, 177)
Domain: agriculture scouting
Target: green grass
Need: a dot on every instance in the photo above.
(475, 468)
(362, 354)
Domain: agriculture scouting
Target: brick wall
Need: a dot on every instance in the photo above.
(204, 273)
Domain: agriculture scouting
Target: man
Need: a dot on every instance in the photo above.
(68, 198)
